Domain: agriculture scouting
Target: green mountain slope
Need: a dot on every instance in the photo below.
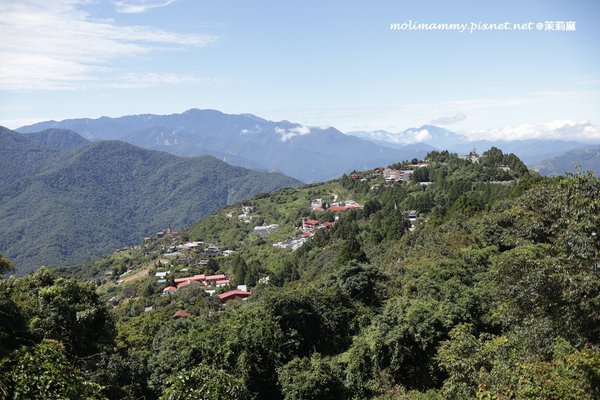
(56, 139)
(72, 205)
(468, 280)
(585, 159)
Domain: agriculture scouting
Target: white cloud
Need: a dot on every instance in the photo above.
(422, 136)
(256, 129)
(141, 80)
(287, 134)
(48, 45)
(449, 120)
(557, 129)
(139, 6)
(409, 136)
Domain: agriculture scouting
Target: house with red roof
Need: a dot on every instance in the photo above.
(214, 278)
(188, 283)
(200, 277)
(181, 314)
(233, 294)
(170, 290)
(309, 225)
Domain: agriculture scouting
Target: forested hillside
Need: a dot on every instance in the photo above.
(443, 279)
(63, 200)
(586, 158)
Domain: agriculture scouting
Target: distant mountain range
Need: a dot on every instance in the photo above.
(531, 151)
(585, 159)
(306, 153)
(65, 200)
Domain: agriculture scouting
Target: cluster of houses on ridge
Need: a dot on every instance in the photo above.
(474, 158)
(207, 282)
(236, 294)
(390, 176)
(319, 205)
(311, 226)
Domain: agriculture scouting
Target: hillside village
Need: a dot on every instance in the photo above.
(189, 261)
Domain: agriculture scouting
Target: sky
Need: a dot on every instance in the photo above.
(315, 62)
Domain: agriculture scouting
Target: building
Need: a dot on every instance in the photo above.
(188, 284)
(181, 314)
(472, 156)
(266, 230)
(222, 282)
(316, 205)
(212, 279)
(233, 295)
(170, 290)
(211, 251)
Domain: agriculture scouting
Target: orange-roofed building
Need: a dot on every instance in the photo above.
(169, 290)
(233, 294)
(215, 277)
(181, 314)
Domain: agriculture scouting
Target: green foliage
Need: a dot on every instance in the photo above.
(406, 337)
(43, 372)
(62, 309)
(205, 382)
(351, 251)
(5, 265)
(500, 368)
(311, 378)
(362, 283)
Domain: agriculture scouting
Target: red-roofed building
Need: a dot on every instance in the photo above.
(309, 225)
(181, 314)
(354, 176)
(222, 282)
(338, 208)
(233, 294)
(188, 283)
(170, 290)
(210, 278)
(191, 278)
(328, 224)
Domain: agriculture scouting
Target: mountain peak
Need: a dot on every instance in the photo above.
(56, 139)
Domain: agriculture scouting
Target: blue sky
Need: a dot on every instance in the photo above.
(319, 63)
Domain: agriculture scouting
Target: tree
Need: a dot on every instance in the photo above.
(67, 311)
(43, 372)
(212, 266)
(255, 269)
(5, 265)
(351, 251)
(239, 269)
(207, 383)
(362, 284)
(311, 378)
